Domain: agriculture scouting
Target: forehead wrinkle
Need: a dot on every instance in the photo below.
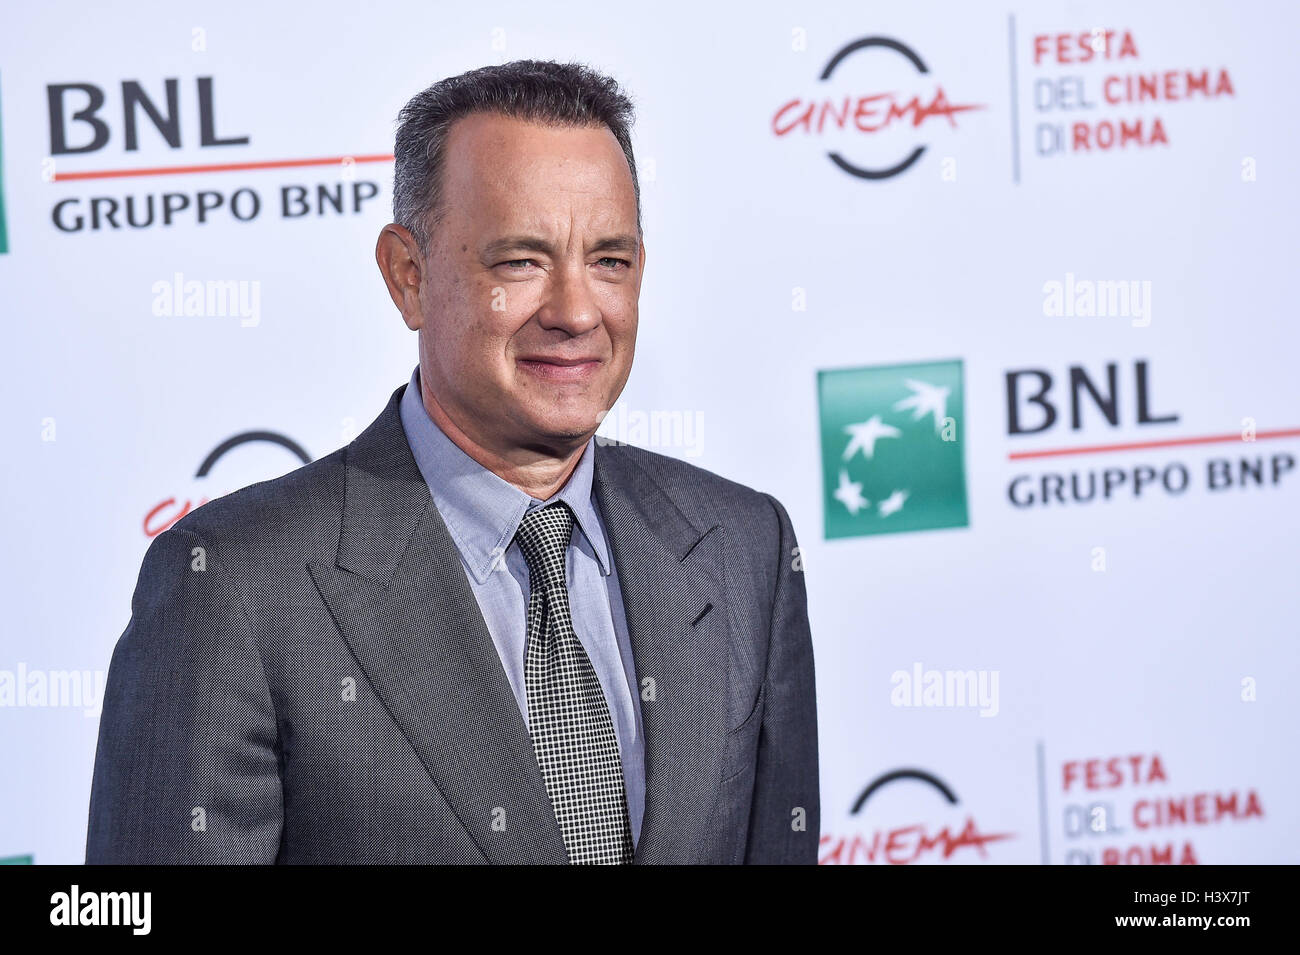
(502, 194)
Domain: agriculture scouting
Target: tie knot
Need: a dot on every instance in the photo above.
(543, 536)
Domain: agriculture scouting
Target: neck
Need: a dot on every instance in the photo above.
(537, 472)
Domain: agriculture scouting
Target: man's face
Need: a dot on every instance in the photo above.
(529, 293)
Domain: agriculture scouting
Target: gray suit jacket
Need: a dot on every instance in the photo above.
(306, 678)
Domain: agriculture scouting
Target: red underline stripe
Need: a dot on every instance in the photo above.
(217, 167)
(1141, 445)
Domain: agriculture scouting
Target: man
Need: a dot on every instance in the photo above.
(475, 634)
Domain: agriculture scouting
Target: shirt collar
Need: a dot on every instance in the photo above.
(481, 510)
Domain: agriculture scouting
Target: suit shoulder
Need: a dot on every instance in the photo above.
(292, 507)
(702, 494)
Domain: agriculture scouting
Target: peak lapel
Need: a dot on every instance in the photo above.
(399, 595)
(673, 578)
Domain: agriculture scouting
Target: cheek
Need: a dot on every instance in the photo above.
(622, 326)
(481, 318)
(618, 305)
(501, 308)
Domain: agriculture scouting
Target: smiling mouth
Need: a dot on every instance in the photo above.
(560, 369)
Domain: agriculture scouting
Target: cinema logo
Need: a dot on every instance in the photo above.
(85, 121)
(1113, 815)
(870, 113)
(170, 510)
(1043, 402)
(896, 795)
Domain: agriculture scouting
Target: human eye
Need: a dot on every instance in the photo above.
(618, 263)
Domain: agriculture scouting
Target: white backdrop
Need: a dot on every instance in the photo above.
(1137, 654)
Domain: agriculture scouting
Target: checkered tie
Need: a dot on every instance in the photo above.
(568, 717)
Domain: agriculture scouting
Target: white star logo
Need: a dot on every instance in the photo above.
(925, 399)
(893, 503)
(849, 493)
(864, 436)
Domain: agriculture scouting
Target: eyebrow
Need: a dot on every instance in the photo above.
(626, 243)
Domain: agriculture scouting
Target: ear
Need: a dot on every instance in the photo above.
(401, 264)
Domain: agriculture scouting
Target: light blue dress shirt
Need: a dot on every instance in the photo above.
(482, 511)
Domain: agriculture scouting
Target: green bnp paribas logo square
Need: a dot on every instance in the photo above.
(892, 448)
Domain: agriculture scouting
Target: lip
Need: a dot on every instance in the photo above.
(559, 369)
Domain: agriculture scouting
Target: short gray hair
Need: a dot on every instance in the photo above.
(541, 91)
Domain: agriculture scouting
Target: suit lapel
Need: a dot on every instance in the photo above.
(399, 595)
(673, 578)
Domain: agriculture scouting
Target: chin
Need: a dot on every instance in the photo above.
(568, 427)
(572, 433)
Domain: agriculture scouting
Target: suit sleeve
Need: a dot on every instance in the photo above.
(186, 768)
(785, 815)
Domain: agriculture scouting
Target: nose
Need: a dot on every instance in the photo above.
(570, 304)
